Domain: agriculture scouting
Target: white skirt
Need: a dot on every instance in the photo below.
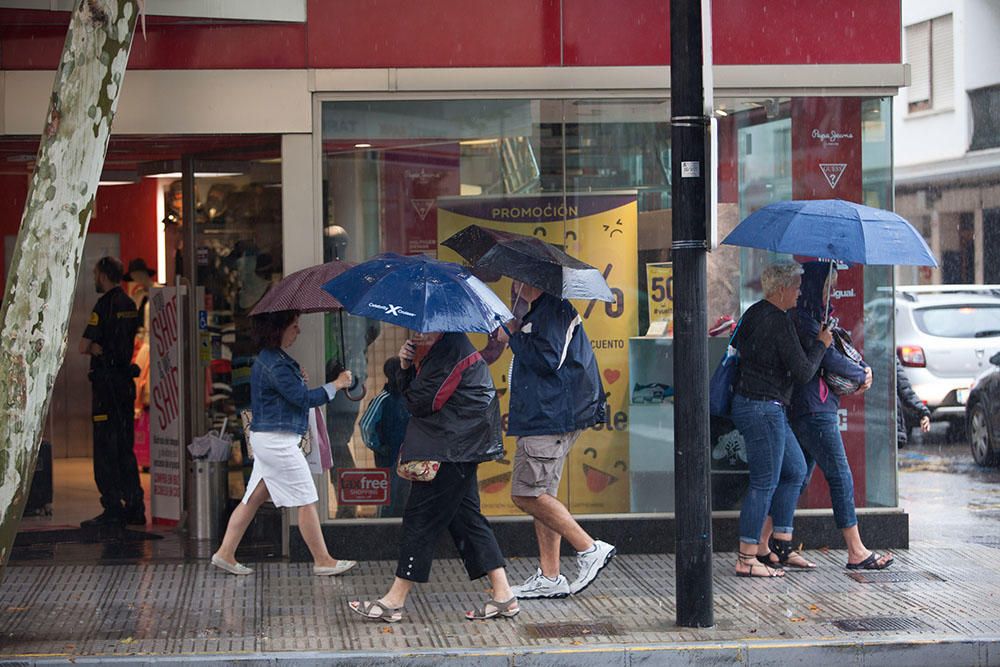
(278, 461)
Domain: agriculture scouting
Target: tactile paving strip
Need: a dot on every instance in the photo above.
(192, 608)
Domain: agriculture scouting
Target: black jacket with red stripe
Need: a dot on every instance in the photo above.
(455, 412)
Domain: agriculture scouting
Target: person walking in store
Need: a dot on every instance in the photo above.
(383, 427)
(816, 423)
(280, 400)
(771, 362)
(556, 392)
(109, 340)
(454, 424)
(908, 399)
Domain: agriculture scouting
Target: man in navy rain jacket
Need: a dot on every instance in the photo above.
(556, 392)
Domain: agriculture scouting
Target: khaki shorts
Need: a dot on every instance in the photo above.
(538, 463)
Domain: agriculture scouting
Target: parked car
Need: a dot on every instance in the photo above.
(984, 415)
(945, 336)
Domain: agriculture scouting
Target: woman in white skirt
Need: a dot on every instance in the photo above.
(281, 400)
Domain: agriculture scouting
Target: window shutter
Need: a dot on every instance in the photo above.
(942, 63)
(918, 53)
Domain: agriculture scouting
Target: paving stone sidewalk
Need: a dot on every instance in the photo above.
(936, 605)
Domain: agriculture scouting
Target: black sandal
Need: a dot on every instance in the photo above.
(784, 550)
(766, 560)
(752, 561)
(872, 562)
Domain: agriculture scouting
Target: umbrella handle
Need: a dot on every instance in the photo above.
(504, 327)
(364, 391)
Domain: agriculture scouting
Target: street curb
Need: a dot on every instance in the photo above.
(901, 652)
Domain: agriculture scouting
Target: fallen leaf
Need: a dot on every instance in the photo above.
(814, 609)
(387, 630)
(127, 640)
(17, 609)
(796, 619)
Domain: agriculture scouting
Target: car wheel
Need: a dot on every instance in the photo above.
(980, 438)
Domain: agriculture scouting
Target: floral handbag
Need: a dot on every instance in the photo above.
(418, 471)
(840, 385)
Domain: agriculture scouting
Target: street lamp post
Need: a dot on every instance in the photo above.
(689, 122)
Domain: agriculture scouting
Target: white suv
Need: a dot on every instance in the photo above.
(945, 336)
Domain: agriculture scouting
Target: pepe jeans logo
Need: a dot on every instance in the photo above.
(831, 138)
(391, 309)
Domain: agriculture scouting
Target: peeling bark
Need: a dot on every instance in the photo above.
(39, 293)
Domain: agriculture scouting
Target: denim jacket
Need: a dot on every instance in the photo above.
(279, 397)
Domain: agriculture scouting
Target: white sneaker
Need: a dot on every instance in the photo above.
(539, 586)
(591, 563)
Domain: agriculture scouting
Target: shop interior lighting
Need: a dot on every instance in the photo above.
(479, 142)
(209, 169)
(362, 145)
(197, 174)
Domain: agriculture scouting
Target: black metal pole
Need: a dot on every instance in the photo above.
(693, 502)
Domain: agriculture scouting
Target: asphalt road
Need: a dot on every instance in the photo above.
(949, 498)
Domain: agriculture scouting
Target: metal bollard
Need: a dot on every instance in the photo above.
(208, 488)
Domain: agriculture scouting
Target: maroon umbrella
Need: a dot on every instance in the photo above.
(303, 291)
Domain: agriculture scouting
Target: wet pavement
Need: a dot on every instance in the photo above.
(948, 497)
(938, 605)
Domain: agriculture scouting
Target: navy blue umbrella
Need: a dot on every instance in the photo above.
(833, 229)
(419, 293)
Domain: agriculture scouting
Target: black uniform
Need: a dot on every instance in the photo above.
(113, 325)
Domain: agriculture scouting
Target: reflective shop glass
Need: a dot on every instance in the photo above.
(593, 176)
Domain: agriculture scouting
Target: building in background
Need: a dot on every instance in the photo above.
(947, 137)
(322, 129)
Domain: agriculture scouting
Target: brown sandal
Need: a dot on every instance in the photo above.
(752, 561)
(494, 608)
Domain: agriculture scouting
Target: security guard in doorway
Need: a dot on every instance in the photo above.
(109, 340)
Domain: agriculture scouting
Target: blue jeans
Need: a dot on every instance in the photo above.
(819, 435)
(777, 466)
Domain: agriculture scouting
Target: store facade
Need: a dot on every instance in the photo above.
(399, 130)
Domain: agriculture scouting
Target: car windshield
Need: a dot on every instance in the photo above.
(965, 321)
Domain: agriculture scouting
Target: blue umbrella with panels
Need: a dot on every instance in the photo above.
(833, 229)
(419, 293)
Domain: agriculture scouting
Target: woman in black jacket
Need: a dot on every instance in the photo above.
(771, 362)
(455, 420)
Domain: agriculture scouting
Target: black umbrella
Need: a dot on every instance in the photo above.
(530, 260)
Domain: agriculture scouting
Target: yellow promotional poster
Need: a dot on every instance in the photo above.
(599, 229)
(660, 282)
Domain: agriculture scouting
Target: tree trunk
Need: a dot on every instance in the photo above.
(42, 278)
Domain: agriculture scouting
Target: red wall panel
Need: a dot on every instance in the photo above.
(130, 212)
(483, 33)
(126, 210)
(33, 45)
(445, 33)
(628, 32)
(13, 193)
(776, 32)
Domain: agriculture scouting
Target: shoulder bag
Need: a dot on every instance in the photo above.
(723, 383)
(840, 385)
